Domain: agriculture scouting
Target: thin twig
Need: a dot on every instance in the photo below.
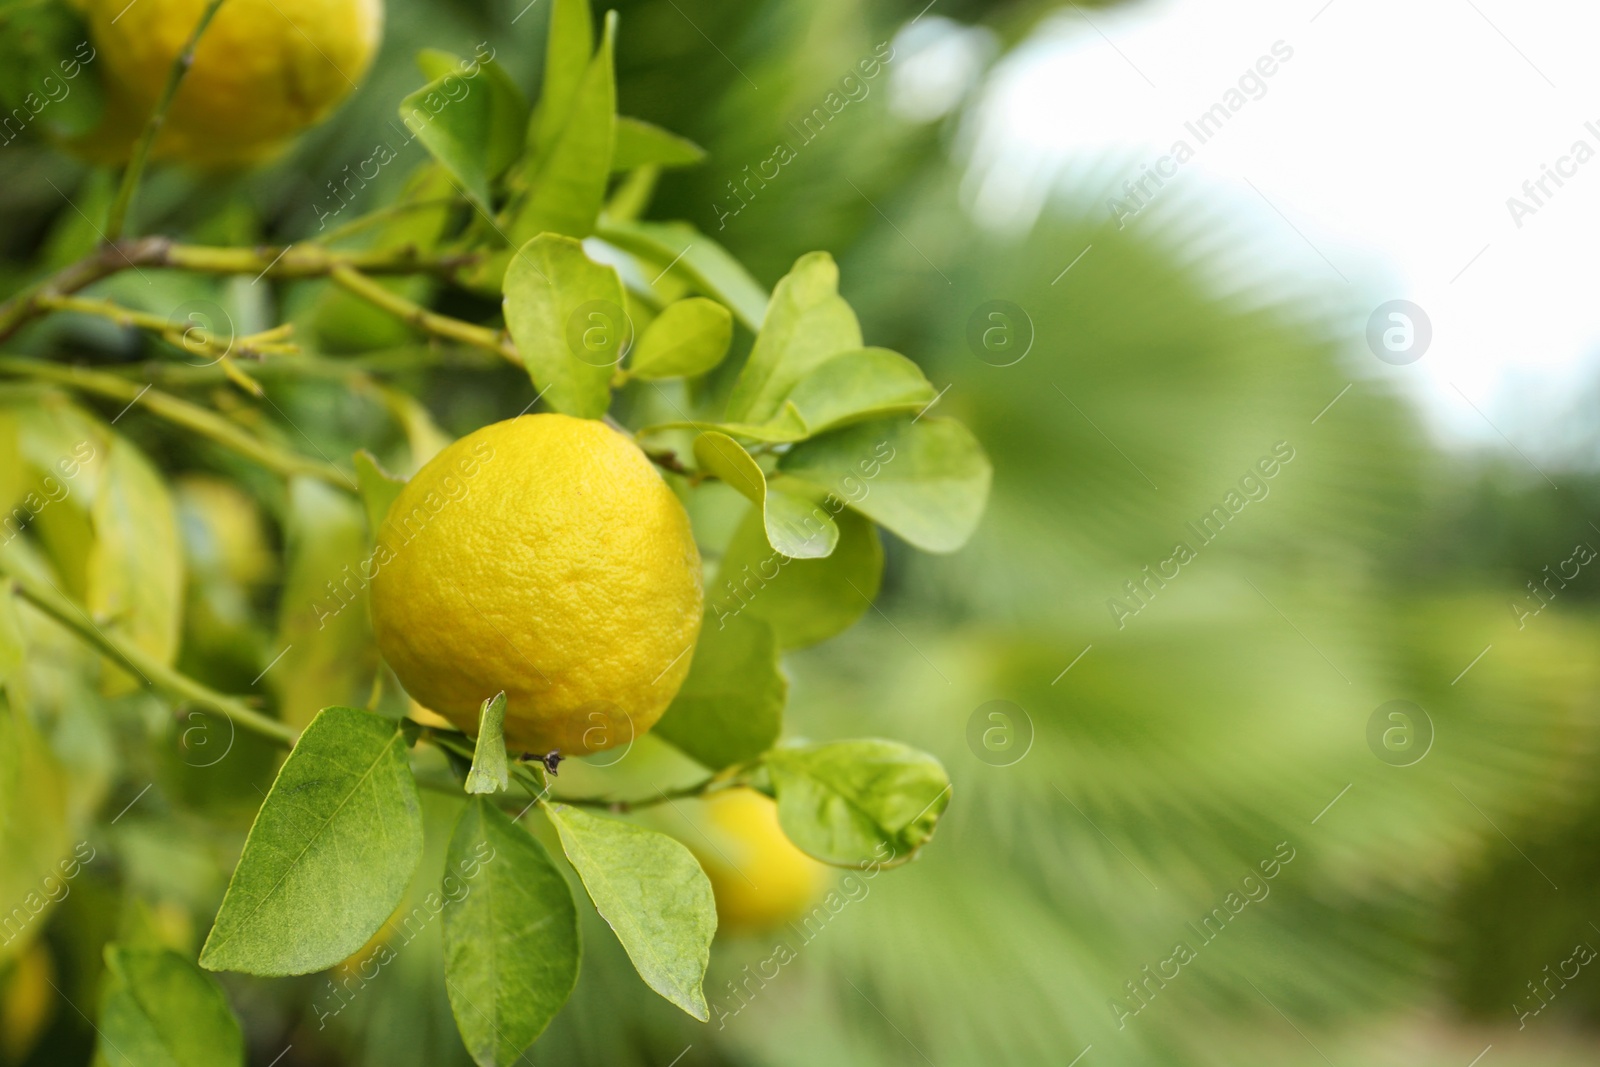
(180, 412)
(420, 317)
(143, 663)
(158, 118)
(269, 261)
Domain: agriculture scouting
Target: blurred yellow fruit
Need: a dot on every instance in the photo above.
(760, 879)
(263, 71)
(27, 1003)
(542, 556)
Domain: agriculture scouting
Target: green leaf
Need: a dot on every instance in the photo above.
(565, 314)
(794, 525)
(378, 490)
(687, 339)
(571, 181)
(925, 479)
(807, 324)
(46, 69)
(696, 258)
(324, 631)
(489, 772)
(644, 144)
(652, 892)
(135, 568)
(852, 802)
(159, 1010)
(804, 600)
(569, 43)
(730, 707)
(462, 119)
(511, 943)
(864, 384)
(33, 830)
(331, 852)
(499, 99)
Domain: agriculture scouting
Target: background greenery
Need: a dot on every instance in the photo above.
(1172, 758)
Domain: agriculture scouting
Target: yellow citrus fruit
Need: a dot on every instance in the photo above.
(543, 556)
(263, 71)
(760, 879)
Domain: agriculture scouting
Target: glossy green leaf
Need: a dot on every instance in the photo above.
(565, 314)
(569, 44)
(159, 1010)
(804, 600)
(507, 106)
(730, 707)
(807, 324)
(853, 802)
(490, 773)
(33, 830)
(511, 942)
(331, 852)
(704, 264)
(925, 479)
(856, 386)
(469, 117)
(644, 144)
(687, 339)
(570, 186)
(652, 892)
(135, 567)
(794, 525)
(324, 631)
(378, 489)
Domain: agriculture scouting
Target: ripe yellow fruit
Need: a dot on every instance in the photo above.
(543, 556)
(760, 879)
(263, 71)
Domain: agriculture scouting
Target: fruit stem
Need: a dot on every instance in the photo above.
(47, 598)
(182, 413)
(158, 118)
(420, 317)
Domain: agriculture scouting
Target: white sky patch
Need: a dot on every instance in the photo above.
(1384, 151)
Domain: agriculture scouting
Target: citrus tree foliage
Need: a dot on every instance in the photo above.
(528, 210)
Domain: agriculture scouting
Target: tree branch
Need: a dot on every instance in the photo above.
(158, 118)
(48, 600)
(420, 317)
(182, 413)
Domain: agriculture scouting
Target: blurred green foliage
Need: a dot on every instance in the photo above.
(1227, 716)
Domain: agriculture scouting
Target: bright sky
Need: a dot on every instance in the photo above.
(1383, 151)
